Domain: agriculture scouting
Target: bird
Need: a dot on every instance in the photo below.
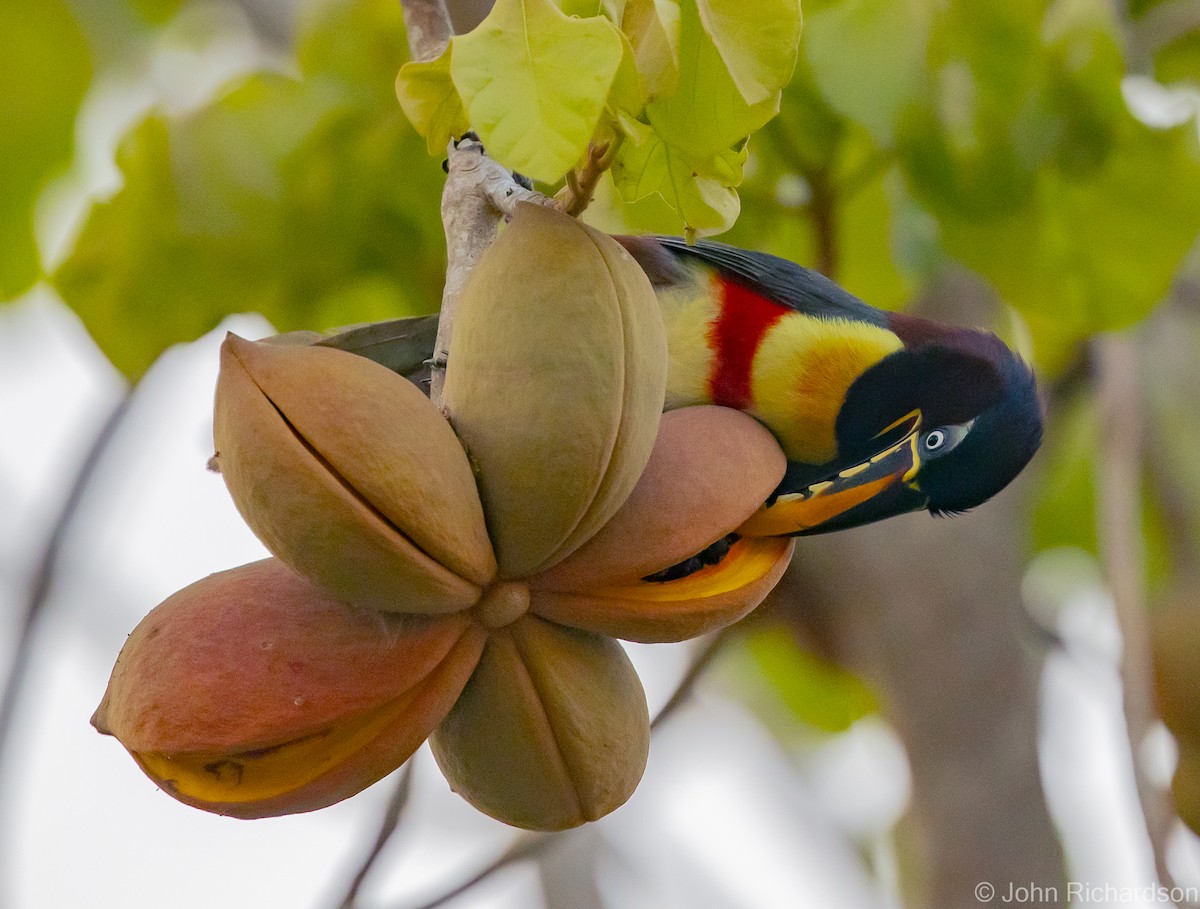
(879, 413)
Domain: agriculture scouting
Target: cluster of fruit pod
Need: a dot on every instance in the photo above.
(1175, 639)
(457, 576)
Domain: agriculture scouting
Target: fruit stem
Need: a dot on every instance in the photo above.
(479, 193)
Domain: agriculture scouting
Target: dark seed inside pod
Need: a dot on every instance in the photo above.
(710, 555)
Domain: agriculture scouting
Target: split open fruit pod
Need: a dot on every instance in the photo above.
(462, 580)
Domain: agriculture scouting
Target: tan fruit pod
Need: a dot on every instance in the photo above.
(711, 468)
(550, 732)
(653, 612)
(347, 473)
(555, 382)
(252, 694)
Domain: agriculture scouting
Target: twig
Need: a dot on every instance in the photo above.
(528, 845)
(391, 821)
(699, 665)
(479, 192)
(1118, 515)
(531, 845)
(428, 25)
(47, 567)
(822, 209)
(575, 197)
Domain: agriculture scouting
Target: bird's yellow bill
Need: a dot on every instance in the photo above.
(865, 492)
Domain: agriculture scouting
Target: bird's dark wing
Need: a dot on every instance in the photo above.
(778, 279)
(402, 345)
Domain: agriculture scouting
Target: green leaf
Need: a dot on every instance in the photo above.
(581, 9)
(312, 202)
(812, 690)
(534, 83)
(46, 72)
(358, 43)
(893, 36)
(652, 27)
(1065, 510)
(1092, 255)
(1178, 60)
(431, 101)
(759, 50)
(156, 12)
(1079, 110)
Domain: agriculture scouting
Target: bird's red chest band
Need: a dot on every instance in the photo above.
(734, 336)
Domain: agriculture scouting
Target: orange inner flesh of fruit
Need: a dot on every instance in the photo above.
(748, 560)
(262, 773)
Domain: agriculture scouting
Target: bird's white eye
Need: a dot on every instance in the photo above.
(945, 438)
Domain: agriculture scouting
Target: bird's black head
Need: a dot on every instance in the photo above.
(1001, 440)
(944, 423)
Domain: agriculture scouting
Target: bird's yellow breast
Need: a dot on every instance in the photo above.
(801, 373)
(800, 369)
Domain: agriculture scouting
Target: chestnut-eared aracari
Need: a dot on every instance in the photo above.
(879, 413)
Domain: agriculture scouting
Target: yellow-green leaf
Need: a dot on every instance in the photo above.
(431, 101)
(695, 154)
(760, 50)
(46, 71)
(581, 9)
(707, 115)
(652, 27)
(700, 191)
(534, 83)
(627, 96)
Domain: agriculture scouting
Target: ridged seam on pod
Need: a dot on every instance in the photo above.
(551, 730)
(711, 468)
(345, 472)
(555, 382)
(646, 363)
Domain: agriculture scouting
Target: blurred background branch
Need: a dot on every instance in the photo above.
(47, 566)
(1119, 509)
